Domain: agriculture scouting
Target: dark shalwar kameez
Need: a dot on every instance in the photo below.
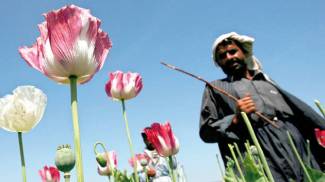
(274, 141)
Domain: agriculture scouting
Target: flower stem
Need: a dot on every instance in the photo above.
(239, 154)
(146, 173)
(67, 177)
(21, 148)
(322, 110)
(236, 162)
(257, 144)
(298, 157)
(74, 109)
(170, 162)
(308, 152)
(129, 140)
(219, 166)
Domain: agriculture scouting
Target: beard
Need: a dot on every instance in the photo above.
(235, 67)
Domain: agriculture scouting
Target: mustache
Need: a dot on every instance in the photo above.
(234, 60)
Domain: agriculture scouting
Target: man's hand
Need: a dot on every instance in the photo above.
(245, 104)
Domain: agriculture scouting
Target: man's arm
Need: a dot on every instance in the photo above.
(216, 118)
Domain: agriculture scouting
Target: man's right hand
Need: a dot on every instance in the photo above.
(245, 104)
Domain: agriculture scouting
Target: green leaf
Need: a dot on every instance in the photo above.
(316, 175)
(252, 171)
(230, 175)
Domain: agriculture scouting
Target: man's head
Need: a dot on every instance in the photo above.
(148, 144)
(234, 53)
(230, 56)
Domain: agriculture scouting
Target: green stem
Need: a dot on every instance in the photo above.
(236, 162)
(257, 144)
(146, 173)
(129, 140)
(239, 154)
(67, 177)
(170, 162)
(298, 157)
(322, 110)
(74, 109)
(248, 150)
(21, 148)
(308, 152)
(219, 166)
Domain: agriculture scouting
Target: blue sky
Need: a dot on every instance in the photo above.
(289, 42)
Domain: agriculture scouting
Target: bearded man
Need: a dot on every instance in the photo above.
(221, 122)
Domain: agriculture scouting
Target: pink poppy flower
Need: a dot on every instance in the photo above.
(320, 135)
(123, 86)
(71, 44)
(49, 174)
(163, 139)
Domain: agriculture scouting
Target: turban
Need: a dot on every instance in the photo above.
(246, 43)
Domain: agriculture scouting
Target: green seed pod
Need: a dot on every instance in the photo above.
(101, 159)
(144, 162)
(64, 158)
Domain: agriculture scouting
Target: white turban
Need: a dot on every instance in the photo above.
(246, 43)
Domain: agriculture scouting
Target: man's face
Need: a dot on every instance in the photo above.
(231, 59)
(148, 144)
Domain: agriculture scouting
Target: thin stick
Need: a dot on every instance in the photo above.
(220, 90)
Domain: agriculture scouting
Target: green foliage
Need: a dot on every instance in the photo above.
(316, 175)
(252, 169)
(122, 176)
(230, 175)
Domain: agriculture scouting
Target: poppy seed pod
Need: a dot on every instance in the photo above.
(101, 160)
(107, 163)
(143, 162)
(65, 159)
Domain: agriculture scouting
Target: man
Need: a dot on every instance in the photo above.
(220, 116)
(160, 164)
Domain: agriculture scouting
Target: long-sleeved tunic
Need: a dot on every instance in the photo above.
(290, 114)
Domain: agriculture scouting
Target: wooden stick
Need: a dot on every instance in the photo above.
(218, 89)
